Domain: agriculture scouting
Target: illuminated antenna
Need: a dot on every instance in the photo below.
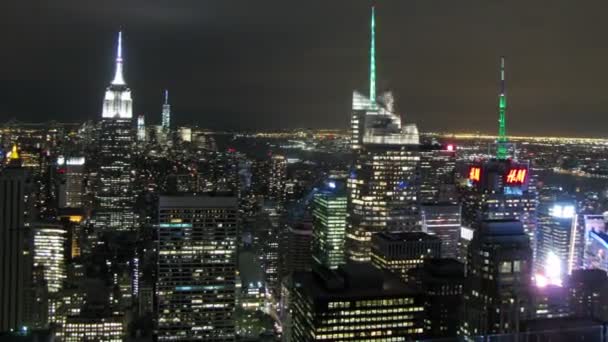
(118, 78)
(372, 60)
(501, 149)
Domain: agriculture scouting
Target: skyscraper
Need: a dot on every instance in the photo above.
(329, 225)
(356, 302)
(15, 195)
(114, 195)
(49, 250)
(437, 182)
(118, 103)
(444, 221)
(556, 240)
(400, 252)
(441, 281)
(197, 267)
(502, 188)
(166, 114)
(141, 128)
(72, 182)
(277, 177)
(498, 277)
(381, 187)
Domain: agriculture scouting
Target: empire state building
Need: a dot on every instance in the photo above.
(114, 193)
(118, 103)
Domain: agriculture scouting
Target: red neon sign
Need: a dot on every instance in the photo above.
(475, 173)
(517, 176)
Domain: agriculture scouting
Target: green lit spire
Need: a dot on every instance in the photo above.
(372, 60)
(501, 149)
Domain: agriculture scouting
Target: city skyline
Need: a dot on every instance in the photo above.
(301, 76)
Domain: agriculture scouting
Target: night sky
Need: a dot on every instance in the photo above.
(286, 64)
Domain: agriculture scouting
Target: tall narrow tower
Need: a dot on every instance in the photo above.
(114, 193)
(166, 115)
(501, 149)
(117, 103)
(372, 60)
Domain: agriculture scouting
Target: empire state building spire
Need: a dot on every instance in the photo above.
(118, 77)
(118, 103)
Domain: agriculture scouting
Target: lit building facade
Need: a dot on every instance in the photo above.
(114, 194)
(105, 329)
(595, 242)
(15, 270)
(498, 279)
(72, 187)
(500, 190)
(399, 252)
(556, 239)
(277, 178)
(357, 302)
(196, 267)
(443, 221)
(329, 225)
(437, 174)
(381, 186)
(141, 128)
(49, 250)
(166, 113)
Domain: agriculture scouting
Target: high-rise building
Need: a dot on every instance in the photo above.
(49, 242)
(166, 114)
(502, 188)
(296, 256)
(596, 252)
(114, 193)
(356, 302)
(381, 187)
(498, 279)
(442, 282)
(399, 252)
(444, 221)
(141, 128)
(595, 239)
(437, 178)
(499, 190)
(103, 329)
(197, 267)
(277, 178)
(15, 196)
(556, 238)
(72, 182)
(117, 103)
(329, 225)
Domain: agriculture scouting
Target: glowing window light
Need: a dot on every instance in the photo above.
(562, 211)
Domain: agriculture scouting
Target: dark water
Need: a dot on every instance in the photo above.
(574, 183)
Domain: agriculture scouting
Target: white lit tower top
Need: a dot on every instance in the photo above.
(374, 120)
(166, 114)
(117, 103)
